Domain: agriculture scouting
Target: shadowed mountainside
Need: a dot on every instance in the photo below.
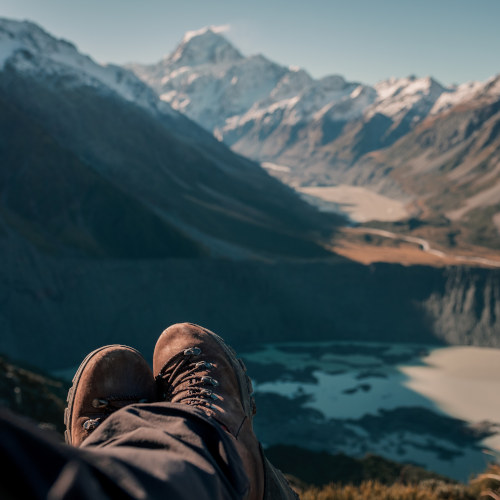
(114, 154)
(55, 201)
(89, 153)
(54, 311)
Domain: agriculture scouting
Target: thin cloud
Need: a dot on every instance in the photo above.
(223, 28)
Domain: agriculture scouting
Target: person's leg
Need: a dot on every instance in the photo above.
(154, 450)
(198, 443)
(37, 465)
(169, 450)
(151, 449)
(109, 378)
(195, 367)
(121, 449)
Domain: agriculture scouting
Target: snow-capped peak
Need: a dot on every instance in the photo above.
(492, 86)
(410, 85)
(17, 35)
(400, 95)
(204, 46)
(456, 95)
(30, 50)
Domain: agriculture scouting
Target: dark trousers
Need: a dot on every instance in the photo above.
(150, 451)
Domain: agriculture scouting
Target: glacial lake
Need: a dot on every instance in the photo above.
(435, 407)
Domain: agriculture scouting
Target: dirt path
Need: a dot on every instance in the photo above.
(390, 255)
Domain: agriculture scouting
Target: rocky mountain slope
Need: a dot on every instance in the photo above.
(271, 112)
(93, 163)
(413, 139)
(451, 164)
(281, 114)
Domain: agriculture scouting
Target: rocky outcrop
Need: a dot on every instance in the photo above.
(467, 310)
(33, 394)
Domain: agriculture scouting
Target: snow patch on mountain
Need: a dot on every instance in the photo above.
(7, 48)
(205, 46)
(28, 49)
(227, 93)
(456, 95)
(398, 96)
(207, 79)
(491, 88)
(321, 129)
(348, 107)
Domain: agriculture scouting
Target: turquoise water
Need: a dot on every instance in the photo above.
(357, 398)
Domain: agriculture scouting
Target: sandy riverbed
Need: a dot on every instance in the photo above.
(358, 203)
(462, 381)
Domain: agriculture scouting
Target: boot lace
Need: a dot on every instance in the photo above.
(184, 379)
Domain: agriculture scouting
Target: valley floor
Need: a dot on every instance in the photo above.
(375, 241)
(358, 203)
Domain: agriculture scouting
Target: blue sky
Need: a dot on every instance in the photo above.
(364, 40)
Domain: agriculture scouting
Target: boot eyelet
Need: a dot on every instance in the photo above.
(210, 380)
(91, 424)
(192, 351)
(100, 403)
(205, 364)
(210, 394)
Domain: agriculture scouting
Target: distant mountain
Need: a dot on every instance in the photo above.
(450, 163)
(93, 163)
(281, 114)
(330, 131)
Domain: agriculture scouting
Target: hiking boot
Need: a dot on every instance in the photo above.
(108, 379)
(194, 366)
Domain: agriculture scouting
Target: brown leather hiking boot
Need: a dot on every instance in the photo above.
(108, 379)
(194, 366)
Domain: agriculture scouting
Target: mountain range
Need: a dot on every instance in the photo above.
(93, 163)
(431, 146)
(119, 215)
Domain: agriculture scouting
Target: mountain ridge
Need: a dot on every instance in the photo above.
(294, 81)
